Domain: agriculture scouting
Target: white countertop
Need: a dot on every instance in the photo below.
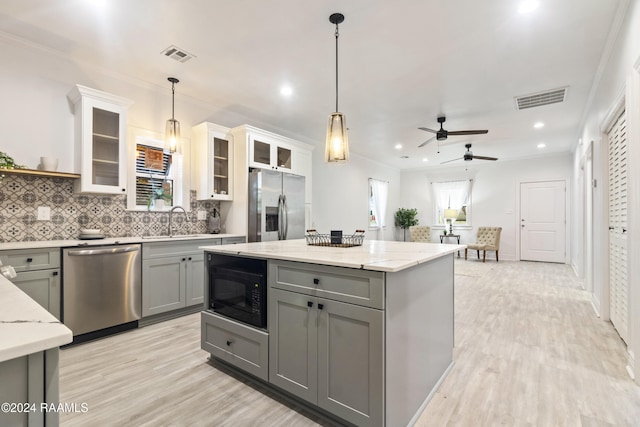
(25, 326)
(108, 241)
(375, 255)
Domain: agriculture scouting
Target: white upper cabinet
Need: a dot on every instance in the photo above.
(100, 148)
(268, 151)
(212, 162)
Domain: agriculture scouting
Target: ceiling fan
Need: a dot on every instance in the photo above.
(442, 134)
(468, 156)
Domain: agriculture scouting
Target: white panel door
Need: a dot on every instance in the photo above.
(618, 257)
(542, 221)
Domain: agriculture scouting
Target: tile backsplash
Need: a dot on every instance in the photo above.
(20, 197)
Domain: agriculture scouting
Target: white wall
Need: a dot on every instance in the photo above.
(37, 119)
(619, 81)
(340, 195)
(495, 195)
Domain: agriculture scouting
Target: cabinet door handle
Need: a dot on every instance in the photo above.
(229, 342)
(29, 259)
(316, 281)
(189, 258)
(124, 189)
(611, 228)
(320, 306)
(184, 259)
(309, 304)
(55, 273)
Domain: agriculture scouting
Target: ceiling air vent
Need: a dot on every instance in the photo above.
(178, 54)
(541, 98)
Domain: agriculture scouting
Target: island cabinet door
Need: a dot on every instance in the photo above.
(351, 362)
(293, 343)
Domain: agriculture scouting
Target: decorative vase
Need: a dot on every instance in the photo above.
(158, 204)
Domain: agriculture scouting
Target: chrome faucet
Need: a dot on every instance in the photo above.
(171, 218)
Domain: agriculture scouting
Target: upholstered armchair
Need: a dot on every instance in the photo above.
(418, 233)
(487, 239)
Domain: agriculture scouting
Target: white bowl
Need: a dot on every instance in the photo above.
(89, 231)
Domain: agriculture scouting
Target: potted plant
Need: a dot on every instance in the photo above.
(159, 195)
(406, 218)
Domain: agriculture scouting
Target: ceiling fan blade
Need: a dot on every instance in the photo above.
(429, 130)
(485, 158)
(426, 142)
(452, 160)
(468, 132)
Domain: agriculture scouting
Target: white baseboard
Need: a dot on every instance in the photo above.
(595, 303)
(631, 365)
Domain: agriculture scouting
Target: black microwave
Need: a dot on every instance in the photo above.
(238, 288)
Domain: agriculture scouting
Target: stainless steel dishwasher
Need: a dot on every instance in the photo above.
(102, 288)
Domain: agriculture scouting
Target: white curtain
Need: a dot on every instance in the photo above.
(452, 194)
(380, 192)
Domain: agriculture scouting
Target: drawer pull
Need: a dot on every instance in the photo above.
(316, 281)
(55, 273)
(309, 304)
(320, 306)
(29, 259)
(229, 342)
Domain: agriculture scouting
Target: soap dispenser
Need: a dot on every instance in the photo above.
(214, 222)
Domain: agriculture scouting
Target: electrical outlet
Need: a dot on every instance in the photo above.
(44, 213)
(202, 215)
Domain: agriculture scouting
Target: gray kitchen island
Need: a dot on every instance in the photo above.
(363, 334)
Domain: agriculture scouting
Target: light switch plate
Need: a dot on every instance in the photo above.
(202, 215)
(44, 213)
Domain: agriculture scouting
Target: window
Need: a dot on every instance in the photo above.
(453, 202)
(378, 192)
(154, 172)
(153, 175)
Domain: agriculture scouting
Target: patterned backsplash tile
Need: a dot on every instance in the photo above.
(20, 197)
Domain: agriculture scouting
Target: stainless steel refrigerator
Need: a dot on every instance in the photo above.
(276, 206)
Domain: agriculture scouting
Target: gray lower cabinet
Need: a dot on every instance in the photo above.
(173, 274)
(237, 344)
(38, 275)
(164, 282)
(43, 287)
(30, 381)
(327, 352)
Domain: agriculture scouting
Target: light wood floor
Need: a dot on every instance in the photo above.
(529, 351)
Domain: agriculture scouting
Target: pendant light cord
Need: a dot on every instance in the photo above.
(173, 100)
(337, 35)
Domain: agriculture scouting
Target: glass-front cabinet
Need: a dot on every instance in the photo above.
(212, 162)
(101, 128)
(264, 153)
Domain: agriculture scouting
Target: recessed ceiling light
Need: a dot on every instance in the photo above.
(425, 159)
(542, 145)
(528, 6)
(398, 146)
(286, 90)
(538, 125)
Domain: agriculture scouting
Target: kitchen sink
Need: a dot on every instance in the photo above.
(177, 236)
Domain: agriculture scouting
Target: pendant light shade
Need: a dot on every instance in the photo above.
(337, 143)
(172, 131)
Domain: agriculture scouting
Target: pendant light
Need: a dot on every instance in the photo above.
(172, 132)
(337, 144)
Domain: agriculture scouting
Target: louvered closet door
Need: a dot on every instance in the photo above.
(618, 265)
